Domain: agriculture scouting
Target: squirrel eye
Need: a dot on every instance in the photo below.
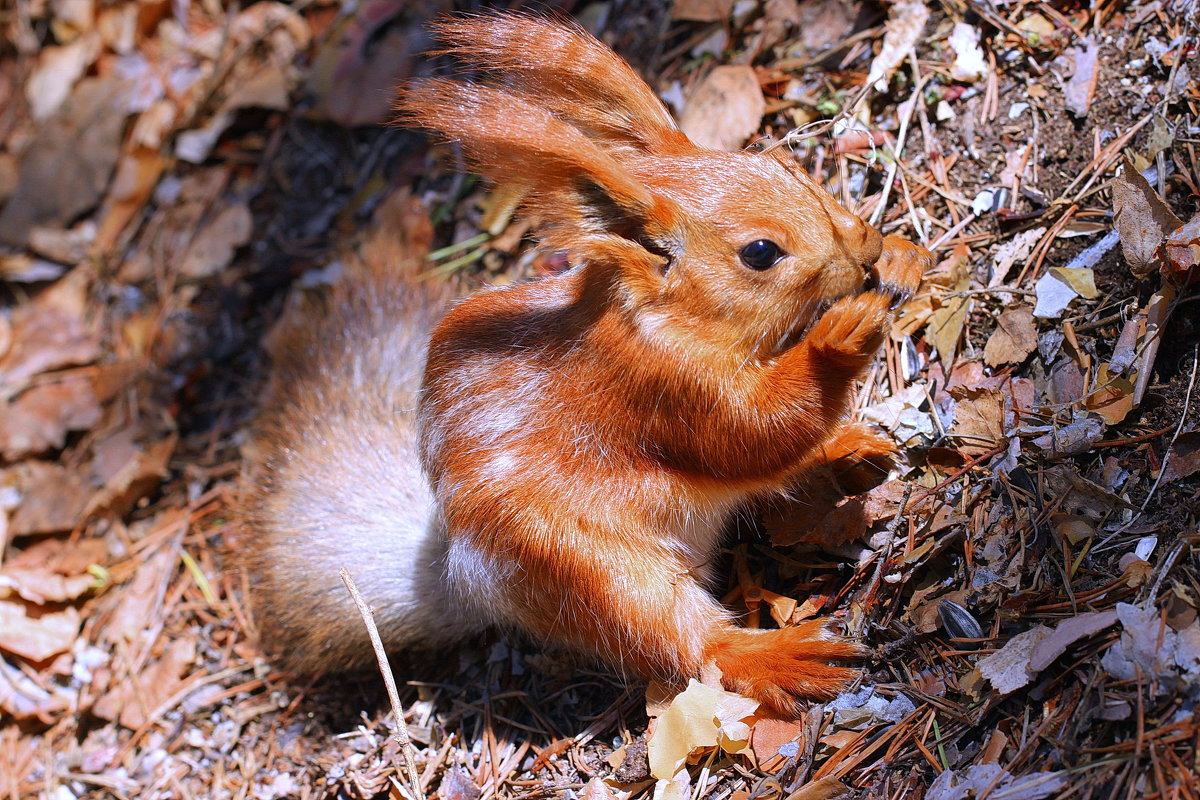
(760, 254)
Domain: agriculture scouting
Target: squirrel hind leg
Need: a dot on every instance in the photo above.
(780, 668)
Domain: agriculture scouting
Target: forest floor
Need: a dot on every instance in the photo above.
(1028, 577)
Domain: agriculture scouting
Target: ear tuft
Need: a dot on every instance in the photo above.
(564, 69)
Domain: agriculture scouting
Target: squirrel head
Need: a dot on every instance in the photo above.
(730, 255)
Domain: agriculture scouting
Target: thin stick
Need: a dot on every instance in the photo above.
(389, 681)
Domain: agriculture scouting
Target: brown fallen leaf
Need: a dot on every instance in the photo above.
(725, 109)
(131, 703)
(1066, 633)
(356, 70)
(65, 170)
(213, 246)
(1014, 339)
(1184, 458)
(35, 633)
(945, 324)
(22, 698)
(596, 789)
(1111, 397)
(768, 736)
(137, 174)
(1078, 91)
(136, 477)
(1183, 253)
(42, 586)
(1143, 220)
(52, 498)
(52, 331)
(701, 10)
(978, 419)
(39, 419)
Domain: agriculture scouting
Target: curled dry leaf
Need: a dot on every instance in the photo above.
(42, 586)
(1014, 339)
(724, 110)
(51, 332)
(1183, 253)
(700, 717)
(1078, 92)
(905, 22)
(68, 164)
(213, 247)
(978, 419)
(39, 419)
(22, 697)
(1143, 220)
(35, 633)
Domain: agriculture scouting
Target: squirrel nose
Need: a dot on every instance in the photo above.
(860, 243)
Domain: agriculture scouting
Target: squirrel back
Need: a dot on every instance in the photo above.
(584, 436)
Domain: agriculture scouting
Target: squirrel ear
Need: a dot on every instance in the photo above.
(580, 191)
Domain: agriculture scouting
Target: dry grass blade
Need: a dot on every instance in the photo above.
(389, 681)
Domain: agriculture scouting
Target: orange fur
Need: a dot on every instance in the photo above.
(587, 435)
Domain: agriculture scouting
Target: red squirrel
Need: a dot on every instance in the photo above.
(560, 456)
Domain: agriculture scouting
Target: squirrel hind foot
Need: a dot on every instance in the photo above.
(781, 668)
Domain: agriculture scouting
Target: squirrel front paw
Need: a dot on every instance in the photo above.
(852, 330)
(900, 267)
(780, 668)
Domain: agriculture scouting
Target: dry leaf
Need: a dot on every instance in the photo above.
(137, 175)
(65, 170)
(970, 64)
(1014, 339)
(1184, 458)
(136, 478)
(1078, 92)
(978, 419)
(1183, 253)
(596, 789)
(771, 738)
(42, 586)
(1111, 397)
(905, 22)
(820, 789)
(38, 420)
(22, 698)
(1011, 252)
(35, 633)
(52, 498)
(213, 246)
(1143, 220)
(51, 332)
(1066, 633)
(57, 71)
(724, 110)
(1008, 668)
(945, 326)
(1059, 286)
(701, 10)
(699, 717)
(131, 703)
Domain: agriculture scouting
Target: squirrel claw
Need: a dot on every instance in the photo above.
(899, 269)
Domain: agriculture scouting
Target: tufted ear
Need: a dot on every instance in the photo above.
(564, 69)
(582, 194)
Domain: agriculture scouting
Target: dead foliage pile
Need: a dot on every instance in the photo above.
(1028, 577)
